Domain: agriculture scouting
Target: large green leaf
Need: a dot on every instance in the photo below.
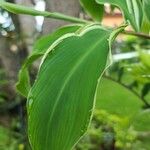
(93, 9)
(123, 102)
(132, 10)
(61, 100)
(40, 47)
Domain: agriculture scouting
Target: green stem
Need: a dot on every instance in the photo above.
(19, 9)
(142, 35)
(65, 18)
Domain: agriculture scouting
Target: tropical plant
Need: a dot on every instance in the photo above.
(61, 101)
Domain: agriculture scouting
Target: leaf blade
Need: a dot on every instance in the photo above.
(64, 91)
(146, 4)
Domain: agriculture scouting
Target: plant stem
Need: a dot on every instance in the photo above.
(142, 35)
(147, 105)
(19, 9)
(65, 18)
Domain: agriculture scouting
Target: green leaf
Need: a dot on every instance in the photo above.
(122, 103)
(61, 101)
(142, 120)
(19, 9)
(145, 58)
(23, 84)
(146, 4)
(146, 17)
(40, 47)
(132, 10)
(145, 90)
(145, 25)
(93, 9)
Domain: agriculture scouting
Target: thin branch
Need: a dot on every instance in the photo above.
(20, 9)
(147, 105)
(137, 34)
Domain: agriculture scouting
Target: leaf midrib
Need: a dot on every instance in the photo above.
(81, 59)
